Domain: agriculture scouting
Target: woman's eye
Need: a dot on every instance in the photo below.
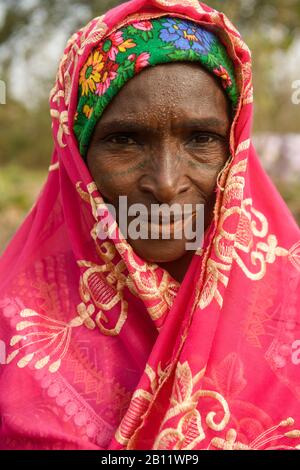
(121, 140)
(203, 139)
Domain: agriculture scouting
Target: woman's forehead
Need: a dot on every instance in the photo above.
(178, 90)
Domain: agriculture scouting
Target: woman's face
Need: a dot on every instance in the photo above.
(162, 140)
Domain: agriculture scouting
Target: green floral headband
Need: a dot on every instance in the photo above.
(126, 52)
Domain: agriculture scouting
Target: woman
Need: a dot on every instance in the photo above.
(142, 344)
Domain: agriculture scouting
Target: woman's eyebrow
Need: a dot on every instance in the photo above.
(123, 125)
(206, 123)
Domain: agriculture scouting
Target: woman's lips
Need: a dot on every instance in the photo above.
(169, 227)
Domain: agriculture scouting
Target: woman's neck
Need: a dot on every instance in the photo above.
(178, 268)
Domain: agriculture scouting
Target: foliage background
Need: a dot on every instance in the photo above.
(32, 37)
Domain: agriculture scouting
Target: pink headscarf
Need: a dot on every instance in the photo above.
(106, 351)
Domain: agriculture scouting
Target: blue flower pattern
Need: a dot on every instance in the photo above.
(185, 36)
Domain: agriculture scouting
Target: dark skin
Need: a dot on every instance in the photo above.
(163, 139)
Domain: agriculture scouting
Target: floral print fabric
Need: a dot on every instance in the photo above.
(136, 46)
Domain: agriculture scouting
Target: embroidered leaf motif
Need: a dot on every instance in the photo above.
(15, 339)
(27, 312)
(25, 360)
(24, 324)
(42, 362)
(11, 356)
(55, 366)
(77, 321)
(169, 440)
(209, 289)
(191, 429)
(152, 377)
(138, 406)
(183, 385)
(228, 376)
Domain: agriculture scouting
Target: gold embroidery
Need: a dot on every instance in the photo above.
(54, 167)
(230, 26)
(63, 84)
(229, 443)
(187, 3)
(216, 269)
(91, 33)
(264, 438)
(147, 286)
(264, 252)
(93, 36)
(189, 432)
(248, 89)
(103, 292)
(294, 255)
(243, 146)
(139, 405)
(250, 98)
(63, 127)
(251, 237)
(68, 64)
(210, 288)
(51, 335)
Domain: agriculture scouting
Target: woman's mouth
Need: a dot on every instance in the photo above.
(174, 227)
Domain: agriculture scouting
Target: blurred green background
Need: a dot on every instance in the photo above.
(32, 38)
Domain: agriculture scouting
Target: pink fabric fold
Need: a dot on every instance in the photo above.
(106, 351)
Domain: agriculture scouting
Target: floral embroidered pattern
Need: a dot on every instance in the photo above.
(222, 72)
(186, 36)
(115, 44)
(143, 25)
(141, 61)
(91, 73)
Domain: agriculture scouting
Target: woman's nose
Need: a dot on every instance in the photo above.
(165, 178)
